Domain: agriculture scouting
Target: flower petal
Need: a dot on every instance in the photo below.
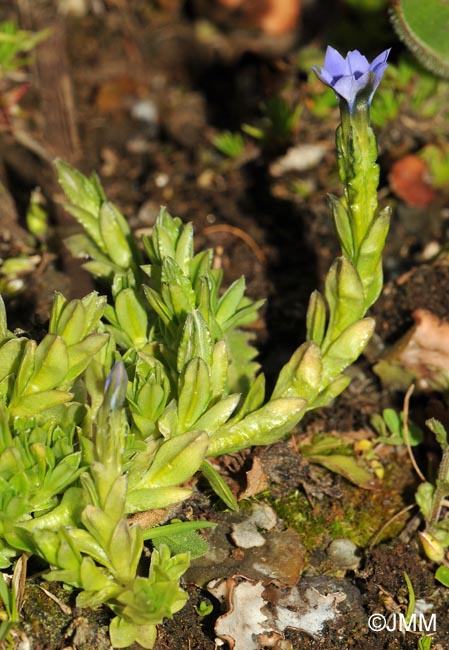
(323, 75)
(334, 63)
(381, 59)
(352, 77)
(357, 63)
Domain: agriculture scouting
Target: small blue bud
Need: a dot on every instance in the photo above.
(115, 386)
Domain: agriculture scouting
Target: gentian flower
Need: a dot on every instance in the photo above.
(115, 386)
(352, 77)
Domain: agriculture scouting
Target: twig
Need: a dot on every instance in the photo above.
(388, 523)
(407, 432)
(258, 252)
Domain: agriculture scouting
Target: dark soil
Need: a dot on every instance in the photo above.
(283, 242)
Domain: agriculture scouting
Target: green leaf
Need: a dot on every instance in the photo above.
(88, 222)
(440, 432)
(424, 498)
(184, 249)
(123, 633)
(301, 375)
(344, 294)
(10, 356)
(176, 527)
(187, 541)
(35, 403)
(26, 369)
(194, 394)
(164, 312)
(50, 365)
(346, 348)
(3, 320)
(132, 317)
(141, 499)
(253, 399)
(342, 224)
(422, 26)
(369, 264)
(177, 460)
(196, 341)
(242, 369)
(347, 467)
(114, 232)
(81, 354)
(81, 246)
(332, 390)
(230, 300)
(176, 289)
(442, 575)
(219, 369)
(79, 189)
(262, 427)
(316, 318)
(125, 550)
(219, 486)
(217, 414)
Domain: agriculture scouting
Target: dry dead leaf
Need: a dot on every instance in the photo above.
(423, 351)
(409, 180)
(262, 611)
(273, 17)
(256, 480)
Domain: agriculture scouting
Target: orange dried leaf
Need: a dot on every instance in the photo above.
(408, 179)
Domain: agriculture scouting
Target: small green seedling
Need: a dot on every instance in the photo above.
(277, 125)
(431, 499)
(390, 426)
(10, 616)
(204, 608)
(425, 643)
(229, 144)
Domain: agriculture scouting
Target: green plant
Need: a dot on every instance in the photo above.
(437, 158)
(431, 501)
(422, 26)
(121, 403)
(204, 608)
(277, 125)
(425, 643)
(229, 144)
(14, 43)
(8, 596)
(390, 426)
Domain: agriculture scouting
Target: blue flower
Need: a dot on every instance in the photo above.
(115, 386)
(353, 76)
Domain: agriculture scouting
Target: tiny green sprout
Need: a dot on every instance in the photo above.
(278, 124)
(204, 608)
(425, 643)
(411, 598)
(8, 597)
(431, 500)
(14, 42)
(37, 216)
(229, 144)
(390, 426)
